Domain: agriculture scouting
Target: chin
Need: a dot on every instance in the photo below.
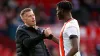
(34, 25)
(60, 19)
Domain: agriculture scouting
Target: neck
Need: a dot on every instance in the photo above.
(27, 25)
(34, 26)
(67, 17)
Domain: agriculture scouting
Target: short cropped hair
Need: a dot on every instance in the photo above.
(65, 5)
(24, 11)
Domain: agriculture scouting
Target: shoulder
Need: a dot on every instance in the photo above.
(20, 29)
(74, 21)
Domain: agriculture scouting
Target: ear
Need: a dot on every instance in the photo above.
(23, 19)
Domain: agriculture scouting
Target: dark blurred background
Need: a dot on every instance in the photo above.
(87, 12)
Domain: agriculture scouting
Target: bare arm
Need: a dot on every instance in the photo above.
(49, 35)
(74, 42)
(56, 40)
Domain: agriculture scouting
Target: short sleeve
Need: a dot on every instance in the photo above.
(71, 31)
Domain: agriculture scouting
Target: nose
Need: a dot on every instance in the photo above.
(33, 18)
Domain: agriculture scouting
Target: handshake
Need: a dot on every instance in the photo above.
(48, 33)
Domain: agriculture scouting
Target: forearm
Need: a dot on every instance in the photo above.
(55, 40)
(72, 52)
(51, 37)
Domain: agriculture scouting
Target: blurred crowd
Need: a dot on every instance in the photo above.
(87, 12)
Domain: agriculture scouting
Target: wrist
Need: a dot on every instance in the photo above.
(50, 36)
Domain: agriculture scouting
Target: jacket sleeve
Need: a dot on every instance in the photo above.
(25, 39)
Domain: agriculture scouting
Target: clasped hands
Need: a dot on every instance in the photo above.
(48, 33)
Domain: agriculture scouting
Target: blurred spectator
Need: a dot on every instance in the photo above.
(12, 4)
(98, 47)
(10, 18)
(7, 52)
(3, 23)
(1, 49)
(41, 16)
(80, 13)
(53, 13)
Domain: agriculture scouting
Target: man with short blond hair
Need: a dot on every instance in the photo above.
(29, 37)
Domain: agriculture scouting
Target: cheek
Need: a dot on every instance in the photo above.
(28, 20)
(60, 14)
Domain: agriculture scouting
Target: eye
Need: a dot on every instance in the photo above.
(33, 15)
(29, 16)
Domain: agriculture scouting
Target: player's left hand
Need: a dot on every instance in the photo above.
(47, 32)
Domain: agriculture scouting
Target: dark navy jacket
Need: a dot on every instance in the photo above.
(29, 42)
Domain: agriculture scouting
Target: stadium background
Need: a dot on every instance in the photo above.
(87, 12)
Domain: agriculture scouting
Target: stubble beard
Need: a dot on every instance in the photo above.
(60, 16)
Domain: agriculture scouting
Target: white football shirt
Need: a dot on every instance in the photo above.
(70, 28)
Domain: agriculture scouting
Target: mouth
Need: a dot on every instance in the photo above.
(33, 20)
